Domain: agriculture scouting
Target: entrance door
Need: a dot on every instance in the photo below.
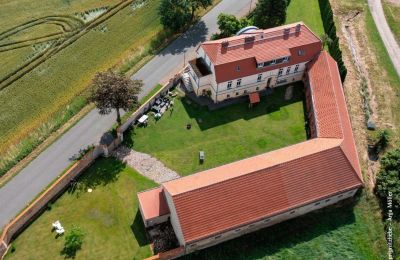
(269, 82)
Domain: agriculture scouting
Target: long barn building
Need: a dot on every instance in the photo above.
(225, 202)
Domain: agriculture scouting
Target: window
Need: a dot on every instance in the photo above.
(316, 204)
(228, 96)
(267, 220)
(272, 62)
(259, 77)
(280, 72)
(237, 93)
(341, 195)
(296, 68)
(301, 52)
(260, 65)
(237, 68)
(327, 200)
(286, 59)
(238, 230)
(292, 212)
(244, 92)
(217, 237)
(257, 88)
(229, 85)
(251, 225)
(288, 70)
(238, 83)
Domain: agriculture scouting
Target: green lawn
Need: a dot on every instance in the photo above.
(347, 232)
(306, 11)
(392, 14)
(108, 216)
(225, 135)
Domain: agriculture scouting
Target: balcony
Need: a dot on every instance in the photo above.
(199, 67)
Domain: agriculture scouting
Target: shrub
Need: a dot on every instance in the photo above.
(73, 241)
(388, 179)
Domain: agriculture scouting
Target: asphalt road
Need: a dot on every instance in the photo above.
(386, 34)
(24, 187)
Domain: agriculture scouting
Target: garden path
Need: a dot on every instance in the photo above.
(145, 164)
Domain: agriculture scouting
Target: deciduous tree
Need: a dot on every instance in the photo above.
(114, 91)
(270, 13)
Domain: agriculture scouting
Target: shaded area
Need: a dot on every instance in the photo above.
(281, 240)
(139, 231)
(269, 103)
(194, 36)
(100, 174)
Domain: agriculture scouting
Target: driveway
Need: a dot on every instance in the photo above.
(386, 34)
(23, 188)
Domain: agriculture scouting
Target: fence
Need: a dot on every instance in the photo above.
(171, 254)
(26, 217)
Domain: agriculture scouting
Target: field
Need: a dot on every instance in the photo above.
(392, 14)
(46, 91)
(225, 135)
(108, 216)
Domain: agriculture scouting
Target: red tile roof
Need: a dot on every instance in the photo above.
(153, 203)
(273, 45)
(235, 194)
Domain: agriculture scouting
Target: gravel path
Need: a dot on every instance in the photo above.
(146, 165)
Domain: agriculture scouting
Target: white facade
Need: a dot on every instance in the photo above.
(207, 85)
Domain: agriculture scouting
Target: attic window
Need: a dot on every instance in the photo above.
(237, 68)
(301, 52)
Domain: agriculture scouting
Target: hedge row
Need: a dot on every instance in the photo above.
(330, 29)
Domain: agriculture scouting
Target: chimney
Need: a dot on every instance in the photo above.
(298, 28)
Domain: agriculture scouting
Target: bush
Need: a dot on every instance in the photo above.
(382, 142)
(388, 179)
(73, 242)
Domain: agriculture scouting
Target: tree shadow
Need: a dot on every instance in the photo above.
(139, 230)
(101, 173)
(284, 236)
(191, 38)
(269, 104)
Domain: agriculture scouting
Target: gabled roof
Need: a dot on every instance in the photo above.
(268, 44)
(235, 194)
(153, 203)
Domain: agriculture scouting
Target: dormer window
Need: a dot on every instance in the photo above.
(237, 68)
(286, 59)
(260, 65)
(301, 52)
(272, 62)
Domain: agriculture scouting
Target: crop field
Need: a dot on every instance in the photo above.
(33, 99)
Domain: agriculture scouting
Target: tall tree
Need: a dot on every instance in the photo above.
(174, 14)
(196, 4)
(270, 13)
(114, 91)
(228, 25)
